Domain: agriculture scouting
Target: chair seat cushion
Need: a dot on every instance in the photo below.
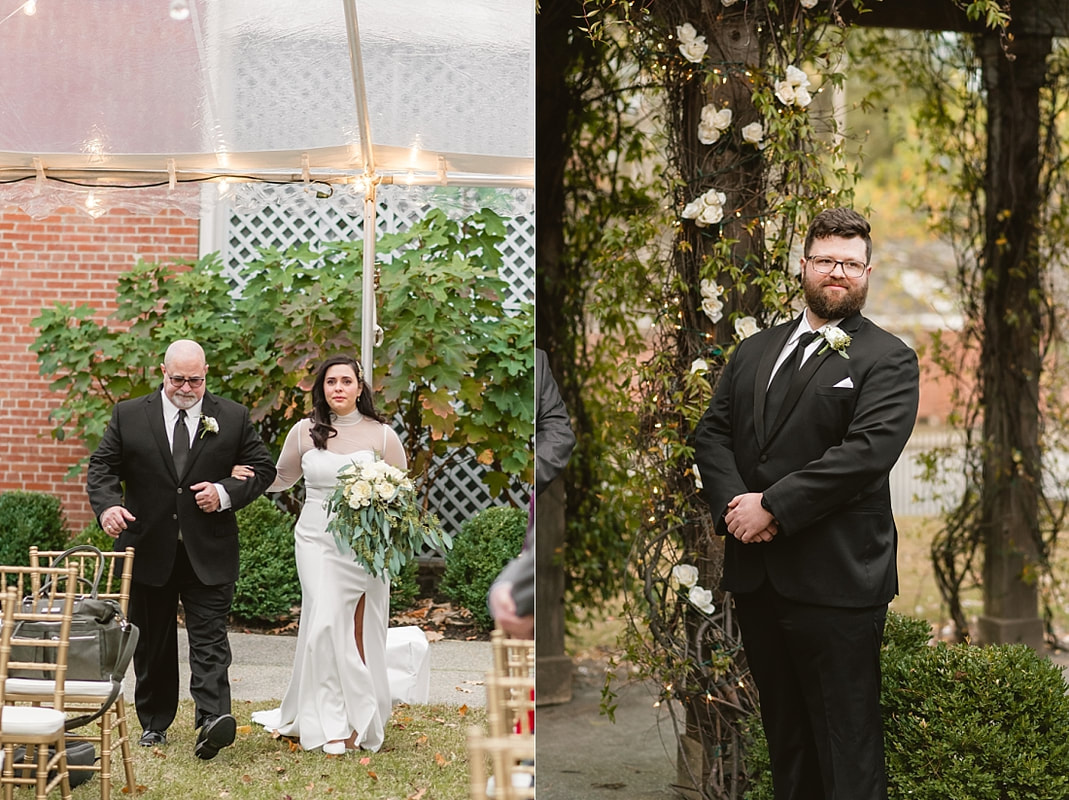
(31, 721)
(35, 686)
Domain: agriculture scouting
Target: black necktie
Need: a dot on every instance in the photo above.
(180, 442)
(781, 381)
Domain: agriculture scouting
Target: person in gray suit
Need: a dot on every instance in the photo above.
(795, 453)
(511, 598)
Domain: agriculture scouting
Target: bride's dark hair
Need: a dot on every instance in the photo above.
(323, 415)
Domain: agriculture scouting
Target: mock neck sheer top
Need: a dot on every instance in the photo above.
(356, 433)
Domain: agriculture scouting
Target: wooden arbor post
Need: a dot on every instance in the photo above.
(1011, 360)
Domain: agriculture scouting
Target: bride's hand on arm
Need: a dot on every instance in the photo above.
(242, 472)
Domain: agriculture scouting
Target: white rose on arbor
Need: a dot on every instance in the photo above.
(713, 123)
(686, 574)
(711, 303)
(706, 209)
(702, 599)
(809, 3)
(691, 45)
(754, 134)
(746, 327)
(793, 90)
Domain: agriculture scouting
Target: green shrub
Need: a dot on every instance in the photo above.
(30, 518)
(963, 722)
(268, 587)
(404, 588)
(486, 543)
(93, 534)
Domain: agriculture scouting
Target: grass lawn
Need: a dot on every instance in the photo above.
(424, 757)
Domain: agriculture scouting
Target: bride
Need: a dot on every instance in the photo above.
(338, 697)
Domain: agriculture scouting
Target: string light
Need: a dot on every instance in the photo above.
(179, 10)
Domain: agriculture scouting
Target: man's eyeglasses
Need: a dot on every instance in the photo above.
(178, 380)
(826, 265)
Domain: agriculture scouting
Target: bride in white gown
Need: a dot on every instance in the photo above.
(338, 697)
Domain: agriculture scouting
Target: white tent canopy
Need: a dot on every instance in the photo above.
(117, 103)
(156, 93)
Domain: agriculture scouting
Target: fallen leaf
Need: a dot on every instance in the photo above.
(463, 710)
(434, 636)
(418, 795)
(438, 719)
(244, 728)
(365, 761)
(422, 739)
(440, 760)
(372, 775)
(462, 689)
(246, 778)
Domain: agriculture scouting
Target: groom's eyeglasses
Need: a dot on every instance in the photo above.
(178, 380)
(826, 265)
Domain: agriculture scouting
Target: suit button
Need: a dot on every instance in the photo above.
(174, 516)
(763, 459)
(180, 490)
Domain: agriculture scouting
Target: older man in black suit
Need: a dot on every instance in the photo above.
(795, 453)
(160, 482)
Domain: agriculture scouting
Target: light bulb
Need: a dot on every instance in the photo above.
(29, 8)
(179, 10)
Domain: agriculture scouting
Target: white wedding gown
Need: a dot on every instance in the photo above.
(332, 692)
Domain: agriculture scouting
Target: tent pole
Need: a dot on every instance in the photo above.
(367, 293)
(367, 296)
(356, 66)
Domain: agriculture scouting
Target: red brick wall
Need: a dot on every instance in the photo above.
(72, 259)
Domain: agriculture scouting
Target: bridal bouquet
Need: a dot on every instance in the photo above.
(376, 515)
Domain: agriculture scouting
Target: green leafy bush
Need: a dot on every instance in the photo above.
(404, 588)
(962, 722)
(268, 587)
(486, 543)
(30, 518)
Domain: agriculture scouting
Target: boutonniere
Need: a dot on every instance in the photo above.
(837, 339)
(208, 425)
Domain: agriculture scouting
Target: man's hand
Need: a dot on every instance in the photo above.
(749, 521)
(503, 610)
(207, 496)
(114, 520)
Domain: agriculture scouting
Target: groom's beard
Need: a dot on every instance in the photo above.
(828, 305)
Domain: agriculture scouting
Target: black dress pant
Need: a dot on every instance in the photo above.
(154, 609)
(817, 671)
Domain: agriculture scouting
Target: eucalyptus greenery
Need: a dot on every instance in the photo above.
(456, 366)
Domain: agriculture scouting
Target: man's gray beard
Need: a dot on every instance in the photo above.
(851, 303)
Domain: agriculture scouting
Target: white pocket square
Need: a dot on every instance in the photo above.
(845, 383)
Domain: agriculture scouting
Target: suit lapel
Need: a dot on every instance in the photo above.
(764, 375)
(156, 424)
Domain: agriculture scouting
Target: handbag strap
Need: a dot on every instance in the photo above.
(79, 550)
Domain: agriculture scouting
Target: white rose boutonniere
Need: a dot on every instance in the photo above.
(837, 339)
(208, 425)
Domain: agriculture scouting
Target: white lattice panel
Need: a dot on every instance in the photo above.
(299, 217)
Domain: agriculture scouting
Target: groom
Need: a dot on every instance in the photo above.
(160, 482)
(794, 454)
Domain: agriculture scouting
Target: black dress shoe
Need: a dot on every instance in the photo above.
(215, 734)
(151, 738)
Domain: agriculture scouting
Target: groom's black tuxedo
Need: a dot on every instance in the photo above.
(823, 466)
(822, 584)
(133, 467)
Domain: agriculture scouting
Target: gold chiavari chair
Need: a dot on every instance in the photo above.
(111, 572)
(41, 660)
(512, 761)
